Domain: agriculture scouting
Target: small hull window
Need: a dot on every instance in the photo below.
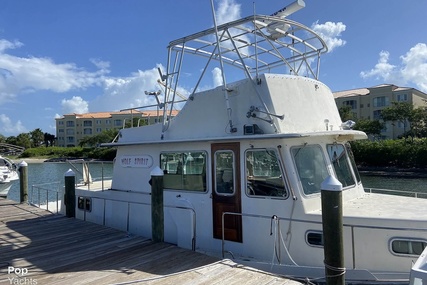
(408, 247)
(314, 238)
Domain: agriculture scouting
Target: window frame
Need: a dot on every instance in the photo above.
(322, 152)
(408, 240)
(349, 165)
(233, 173)
(203, 173)
(282, 176)
(317, 232)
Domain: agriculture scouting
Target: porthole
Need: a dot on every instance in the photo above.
(411, 247)
(314, 238)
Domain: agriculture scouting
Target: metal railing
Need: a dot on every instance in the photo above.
(50, 193)
(193, 241)
(84, 176)
(397, 192)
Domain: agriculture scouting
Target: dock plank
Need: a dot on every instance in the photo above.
(60, 250)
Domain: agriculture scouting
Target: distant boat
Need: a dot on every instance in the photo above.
(8, 174)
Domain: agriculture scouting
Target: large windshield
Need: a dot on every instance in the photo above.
(264, 176)
(341, 164)
(311, 167)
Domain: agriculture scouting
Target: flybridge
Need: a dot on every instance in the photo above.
(253, 45)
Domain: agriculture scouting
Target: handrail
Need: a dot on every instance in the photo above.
(39, 187)
(420, 195)
(193, 241)
(85, 168)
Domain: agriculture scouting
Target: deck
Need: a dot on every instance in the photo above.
(38, 247)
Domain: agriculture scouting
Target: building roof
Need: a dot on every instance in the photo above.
(352, 92)
(366, 91)
(105, 115)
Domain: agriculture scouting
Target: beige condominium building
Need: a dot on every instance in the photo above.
(72, 128)
(367, 103)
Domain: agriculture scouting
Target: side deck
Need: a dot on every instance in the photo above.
(38, 247)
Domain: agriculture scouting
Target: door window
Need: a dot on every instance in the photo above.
(224, 169)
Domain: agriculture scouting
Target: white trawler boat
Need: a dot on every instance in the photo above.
(257, 150)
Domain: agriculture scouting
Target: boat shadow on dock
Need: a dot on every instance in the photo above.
(37, 246)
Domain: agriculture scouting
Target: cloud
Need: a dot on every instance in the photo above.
(5, 44)
(228, 10)
(8, 127)
(129, 92)
(28, 74)
(330, 33)
(75, 105)
(382, 69)
(415, 66)
(411, 70)
(217, 77)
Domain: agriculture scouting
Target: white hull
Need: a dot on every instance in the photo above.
(4, 188)
(243, 164)
(8, 175)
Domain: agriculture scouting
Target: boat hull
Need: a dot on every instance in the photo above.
(4, 188)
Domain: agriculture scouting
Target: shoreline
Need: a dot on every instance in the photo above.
(29, 160)
(393, 172)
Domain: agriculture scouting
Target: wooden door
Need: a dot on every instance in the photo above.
(226, 193)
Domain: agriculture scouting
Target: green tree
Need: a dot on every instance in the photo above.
(370, 127)
(104, 137)
(12, 140)
(398, 112)
(49, 139)
(419, 123)
(346, 113)
(24, 140)
(37, 137)
(413, 118)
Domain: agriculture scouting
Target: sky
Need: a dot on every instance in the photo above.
(79, 56)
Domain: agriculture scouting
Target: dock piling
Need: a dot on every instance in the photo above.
(70, 194)
(157, 214)
(23, 182)
(331, 195)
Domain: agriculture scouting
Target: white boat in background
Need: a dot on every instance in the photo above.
(253, 153)
(8, 175)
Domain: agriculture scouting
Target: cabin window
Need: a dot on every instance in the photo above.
(184, 170)
(224, 169)
(314, 238)
(264, 175)
(353, 162)
(311, 167)
(408, 246)
(341, 164)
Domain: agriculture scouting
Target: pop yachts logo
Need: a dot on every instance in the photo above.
(18, 276)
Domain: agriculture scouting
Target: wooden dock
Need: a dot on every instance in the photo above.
(38, 247)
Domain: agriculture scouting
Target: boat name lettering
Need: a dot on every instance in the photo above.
(144, 161)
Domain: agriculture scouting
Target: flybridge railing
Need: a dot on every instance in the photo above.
(253, 45)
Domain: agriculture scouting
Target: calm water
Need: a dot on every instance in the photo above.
(51, 175)
(396, 183)
(48, 173)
